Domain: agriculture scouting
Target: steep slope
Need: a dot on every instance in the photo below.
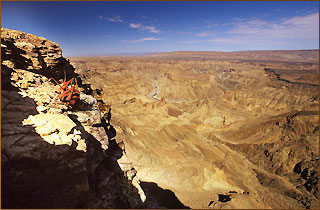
(206, 129)
(53, 156)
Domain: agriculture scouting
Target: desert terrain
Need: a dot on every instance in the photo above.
(219, 130)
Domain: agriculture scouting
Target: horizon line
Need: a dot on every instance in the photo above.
(146, 53)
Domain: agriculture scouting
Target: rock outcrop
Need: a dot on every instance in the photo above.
(53, 156)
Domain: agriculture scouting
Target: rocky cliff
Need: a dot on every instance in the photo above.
(53, 156)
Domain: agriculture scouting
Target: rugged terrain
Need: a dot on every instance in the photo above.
(308, 57)
(184, 132)
(53, 156)
(234, 133)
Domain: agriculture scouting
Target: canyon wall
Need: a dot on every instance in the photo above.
(213, 130)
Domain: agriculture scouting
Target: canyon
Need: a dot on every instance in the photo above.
(202, 124)
(186, 130)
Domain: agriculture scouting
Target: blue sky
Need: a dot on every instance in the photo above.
(86, 28)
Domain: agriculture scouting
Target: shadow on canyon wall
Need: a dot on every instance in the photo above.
(34, 173)
(161, 198)
(156, 197)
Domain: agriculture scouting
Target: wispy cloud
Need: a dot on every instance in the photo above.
(298, 27)
(114, 18)
(142, 40)
(175, 32)
(135, 25)
(205, 33)
(210, 24)
(142, 27)
(258, 33)
(193, 41)
(139, 26)
(240, 40)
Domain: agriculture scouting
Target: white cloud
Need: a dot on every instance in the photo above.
(141, 27)
(295, 32)
(299, 32)
(114, 18)
(247, 42)
(298, 27)
(152, 29)
(205, 33)
(142, 40)
(134, 25)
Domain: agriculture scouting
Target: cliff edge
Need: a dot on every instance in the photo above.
(53, 156)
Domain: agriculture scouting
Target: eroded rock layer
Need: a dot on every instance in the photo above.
(228, 133)
(53, 156)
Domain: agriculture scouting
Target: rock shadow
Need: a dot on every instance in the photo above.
(34, 173)
(13, 53)
(20, 62)
(83, 105)
(105, 177)
(39, 175)
(224, 198)
(109, 129)
(160, 198)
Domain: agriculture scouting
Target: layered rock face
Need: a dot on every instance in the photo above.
(53, 156)
(218, 132)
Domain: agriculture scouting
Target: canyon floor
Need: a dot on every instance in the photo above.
(217, 130)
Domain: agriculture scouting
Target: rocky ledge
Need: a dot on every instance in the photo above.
(53, 156)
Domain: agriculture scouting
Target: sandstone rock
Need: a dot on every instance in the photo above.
(82, 145)
(82, 117)
(41, 108)
(54, 111)
(125, 163)
(63, 123)
(74, 137)
(8, 63)
(88, 99)
(52, 139)
(35, 49)
(49, 123)
(104, 146)
(46, 129)
(136, 184)
(76, 132)
(40, 165)
(34, 171)
(65, 139)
